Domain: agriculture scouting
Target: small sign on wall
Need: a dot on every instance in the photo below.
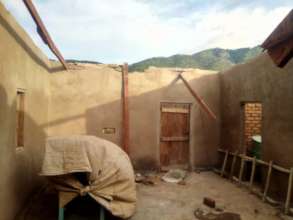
(109, 130)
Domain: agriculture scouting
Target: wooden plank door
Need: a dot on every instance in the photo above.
(174, 140)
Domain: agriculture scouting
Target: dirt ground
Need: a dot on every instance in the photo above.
(166, 201)
(169, 201)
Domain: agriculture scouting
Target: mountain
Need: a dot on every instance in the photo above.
(212, 59)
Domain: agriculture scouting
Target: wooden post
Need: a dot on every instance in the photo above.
(233, 164)
(252, 173)
(125, 109)
(267, 181)
(289, 192)
(241, 170)
(224, 163)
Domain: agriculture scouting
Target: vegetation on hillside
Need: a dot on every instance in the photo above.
(212, 59)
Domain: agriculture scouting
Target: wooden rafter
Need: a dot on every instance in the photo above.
(198, 99)
(44, 34)
(280, 42)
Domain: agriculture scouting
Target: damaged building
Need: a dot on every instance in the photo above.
(191, 119)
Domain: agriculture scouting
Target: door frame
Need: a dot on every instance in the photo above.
(242, 148)
(189, 162)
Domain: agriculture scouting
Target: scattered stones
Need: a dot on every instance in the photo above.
(209, 202)
(218, 209)
(256, 211)
(144, 179)
(204, 215)
(182, 182)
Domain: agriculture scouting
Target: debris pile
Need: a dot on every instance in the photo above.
(202, 215)
(175, 176)
(214, 212)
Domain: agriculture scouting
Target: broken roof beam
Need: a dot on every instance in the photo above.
(198, 99)
(280, 42)
(44, 34)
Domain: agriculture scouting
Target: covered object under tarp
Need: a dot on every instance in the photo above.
(108, 171)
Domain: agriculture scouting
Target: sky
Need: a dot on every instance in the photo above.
(118, 31)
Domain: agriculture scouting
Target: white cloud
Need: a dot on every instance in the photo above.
(131, 30)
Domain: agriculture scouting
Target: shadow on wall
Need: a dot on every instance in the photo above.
(19, 166)
(28, 48)
(260, 80)
(145, 122)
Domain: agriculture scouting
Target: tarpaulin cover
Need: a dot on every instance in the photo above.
(109, 172)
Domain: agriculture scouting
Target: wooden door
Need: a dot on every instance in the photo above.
(174, 141)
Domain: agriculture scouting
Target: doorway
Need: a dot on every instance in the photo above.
(174, 139)
(252, 126)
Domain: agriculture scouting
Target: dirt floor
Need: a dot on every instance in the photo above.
(170, 201)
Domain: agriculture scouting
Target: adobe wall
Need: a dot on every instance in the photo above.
(88, 99)
(261, 81)
(157, 85)
(22, 66)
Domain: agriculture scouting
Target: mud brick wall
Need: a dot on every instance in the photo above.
(252, 116)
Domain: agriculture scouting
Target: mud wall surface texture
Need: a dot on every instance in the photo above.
(23, 68)
(87, 100)
(260, 81)
(156, 85)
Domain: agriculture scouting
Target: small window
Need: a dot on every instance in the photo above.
(109, 130)
(20, 103)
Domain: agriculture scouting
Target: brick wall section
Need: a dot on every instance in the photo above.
(252, 117)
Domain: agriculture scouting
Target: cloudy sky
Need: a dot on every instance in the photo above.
(116, 31)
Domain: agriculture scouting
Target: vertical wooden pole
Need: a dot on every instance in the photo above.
(125, 109)
(267, 181)
(241, 170)
(252, 173)
(224, 163)
(233, 164)
(289, 192)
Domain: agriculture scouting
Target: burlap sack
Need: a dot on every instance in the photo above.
(109, 172)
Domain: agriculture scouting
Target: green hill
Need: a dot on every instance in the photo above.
(212, 59)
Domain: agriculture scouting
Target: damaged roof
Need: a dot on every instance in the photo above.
(280, 42)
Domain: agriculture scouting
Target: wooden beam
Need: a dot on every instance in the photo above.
(233, 164)
(282, 53)
(198, 99)
(252, 173)
(283, 32)
(241, 170)
(125, 109)
(280, 42)
(44, 34)
(268, 179)
(224, 163)
(289, 192)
